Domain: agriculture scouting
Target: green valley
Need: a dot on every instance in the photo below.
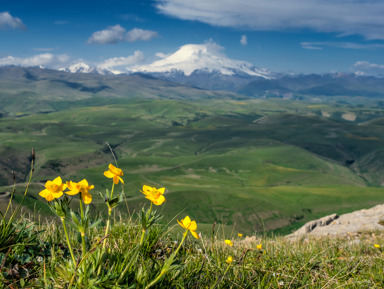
(259, 165)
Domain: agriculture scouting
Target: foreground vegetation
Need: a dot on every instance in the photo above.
(138, 252)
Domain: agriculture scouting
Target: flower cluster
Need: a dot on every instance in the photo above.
(54, 189)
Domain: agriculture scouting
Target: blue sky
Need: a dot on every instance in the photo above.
(299, 36)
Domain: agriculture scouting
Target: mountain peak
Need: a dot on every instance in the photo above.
(208, 57)
(82, 67)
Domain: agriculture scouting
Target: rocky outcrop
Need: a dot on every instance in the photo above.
(366, 220)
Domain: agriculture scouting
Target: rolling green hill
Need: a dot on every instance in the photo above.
(257, 164)
(24, 91)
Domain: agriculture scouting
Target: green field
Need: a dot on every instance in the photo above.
(256, 164)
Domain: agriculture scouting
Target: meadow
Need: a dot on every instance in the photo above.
(253, 165)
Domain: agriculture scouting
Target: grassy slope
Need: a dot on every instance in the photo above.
(254, 163)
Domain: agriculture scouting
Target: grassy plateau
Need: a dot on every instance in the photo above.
(238, 174)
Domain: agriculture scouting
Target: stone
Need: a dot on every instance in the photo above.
(352, 224)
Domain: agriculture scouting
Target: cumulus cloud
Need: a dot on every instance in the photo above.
(7, 21)
(244, 40)
(139, 34)
(345, 17)
(368, 68)
(134, 59)
(45, 59)
(114, 34)
(345, 45)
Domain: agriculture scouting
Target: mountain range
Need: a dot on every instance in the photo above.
(203, 66)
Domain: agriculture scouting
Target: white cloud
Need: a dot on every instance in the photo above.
(112, 34)
(363, 17)
(368, 68)
(139, 34)
(136, 58)
(346, 45)
(45, 59)
(7, 21)
(244, 40)
(161, 55)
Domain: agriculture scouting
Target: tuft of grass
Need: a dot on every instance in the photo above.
(279, 263)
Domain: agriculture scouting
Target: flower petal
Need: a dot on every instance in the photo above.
(186, 222)
(87, 197)
(116, 179)
(57, 195)
(46, 194)
(72, 193)
(181, 224)
(192, 226)
(194, 234)
(158, 201)
(58, 181)
(108, 174)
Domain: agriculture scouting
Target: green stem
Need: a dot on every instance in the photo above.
(69, 244)
(182, 241)
(168, 263)
(109, 218)
(82, 220)
(113, 187)
(148, 214)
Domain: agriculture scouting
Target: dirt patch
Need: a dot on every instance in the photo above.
(325, 113)
(349, 116)
(4, 195)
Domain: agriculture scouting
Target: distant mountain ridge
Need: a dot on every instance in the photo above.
(315, 85)
(198, 65)
(205, 66)
(82, 67)
(37, 90)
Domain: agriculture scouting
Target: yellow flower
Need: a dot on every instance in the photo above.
(80, 187)
(240, 235)
(186, 223)
(229, 242)
(114, 173)
(259, 247)
(53, 189)
(229, 259)
(154, 195)
(377, 246)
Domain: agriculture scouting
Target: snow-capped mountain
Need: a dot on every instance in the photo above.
(206, 58)
(200, 65)
(204, 66)
(81, 67)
